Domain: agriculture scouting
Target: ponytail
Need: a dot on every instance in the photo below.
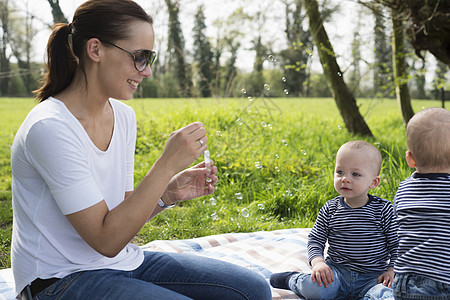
(61, 62)
(107, 20)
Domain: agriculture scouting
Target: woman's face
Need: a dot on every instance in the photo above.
(120, 78)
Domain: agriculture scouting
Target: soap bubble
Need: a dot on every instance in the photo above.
(277, 156)
(219, 133)
(339, 74)
(283, 79)
(213, 201)
(339, 127)
(250, 99)
(261, 206)
(258, 165)
(214, 216)
(269, 126)
(284, 142)
(289, 193)
(244, 91)
(304, 152)
(277, 169)
(263, 124)
(249, 109)
(245, 213)
(239, 121)
(286, 91)
(266, 87)
(271, 58)
(239, 196)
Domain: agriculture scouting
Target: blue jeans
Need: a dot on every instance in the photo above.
(347, 284)
(163, 276)
(412, 286)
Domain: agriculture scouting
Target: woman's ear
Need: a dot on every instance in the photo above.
(93, 47)
(410, 159)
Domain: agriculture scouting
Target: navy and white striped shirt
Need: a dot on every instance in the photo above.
(422, 204)
(364, 239)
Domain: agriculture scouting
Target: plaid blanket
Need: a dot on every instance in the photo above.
(264, 252)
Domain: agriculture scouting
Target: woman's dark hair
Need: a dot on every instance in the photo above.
(107, 20)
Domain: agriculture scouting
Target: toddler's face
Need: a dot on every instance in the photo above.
(355, 173)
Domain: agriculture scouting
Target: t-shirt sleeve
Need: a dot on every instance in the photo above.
(57, 154)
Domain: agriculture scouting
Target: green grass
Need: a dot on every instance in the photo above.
(278, 154)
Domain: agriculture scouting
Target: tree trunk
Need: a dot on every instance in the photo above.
(5, 66)
(399, 66)
(58, 15)
(343, 97)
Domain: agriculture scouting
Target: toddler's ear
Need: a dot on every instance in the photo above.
(375, 182)
(410, 159)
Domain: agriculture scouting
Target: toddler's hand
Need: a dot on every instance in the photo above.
(387, 278)
(321, 272)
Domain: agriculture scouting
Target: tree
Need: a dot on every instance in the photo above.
(21, 44)
(355, 76)
(298, 54)
(202, 53)
(399, 64)
(5, 66)
(176, 49)
(429, 28)
(343, 97)
(58, 15)
(382, 70)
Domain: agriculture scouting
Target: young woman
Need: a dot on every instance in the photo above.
(75, 210)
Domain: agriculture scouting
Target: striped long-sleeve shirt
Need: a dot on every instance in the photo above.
(422, 204)
(364, 239)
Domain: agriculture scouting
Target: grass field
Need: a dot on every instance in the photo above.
(275, 159)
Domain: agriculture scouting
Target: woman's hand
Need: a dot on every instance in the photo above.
(190, 183)
(183, 147)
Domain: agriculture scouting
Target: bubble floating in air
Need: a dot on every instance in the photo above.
(214, 216)
(239, 196)
(244, 91)
(213, 201)
(239, 121)
(219, 133)
(250, 99)
(284, 142)
(258, 165)
(286, 91)
(266, 87)
(261, 206)
(245, 213)
(283, 79)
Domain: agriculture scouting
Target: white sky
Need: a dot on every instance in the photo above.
(340, 30)
(214, 9)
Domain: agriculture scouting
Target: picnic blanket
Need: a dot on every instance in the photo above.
(264, 252)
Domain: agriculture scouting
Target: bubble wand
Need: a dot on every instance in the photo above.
(208, 161)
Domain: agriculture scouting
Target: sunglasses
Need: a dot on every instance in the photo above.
(142, 58)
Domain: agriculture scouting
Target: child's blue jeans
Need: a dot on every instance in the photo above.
(412, 286)
(347, 284)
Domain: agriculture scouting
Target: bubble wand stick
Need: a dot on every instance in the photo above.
(208, 161)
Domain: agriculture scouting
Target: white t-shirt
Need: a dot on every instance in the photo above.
(57, 170)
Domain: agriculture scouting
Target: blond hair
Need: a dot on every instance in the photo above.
(375, 155)
(428, 138)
